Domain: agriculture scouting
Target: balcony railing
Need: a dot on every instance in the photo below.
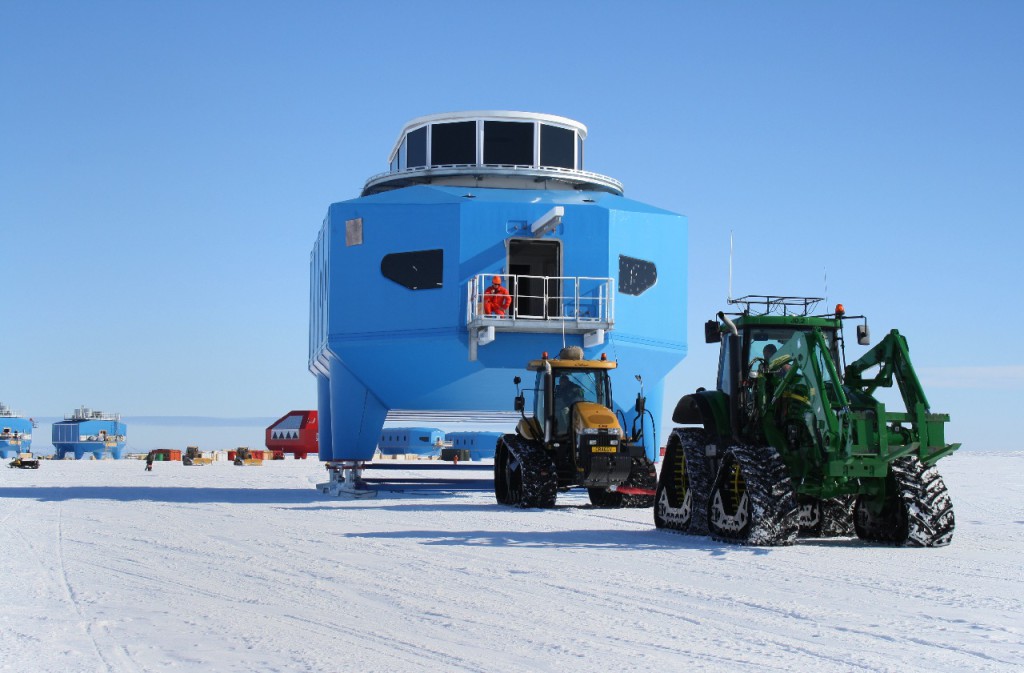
(562, 304)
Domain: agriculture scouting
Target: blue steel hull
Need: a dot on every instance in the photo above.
(376, 345)
(10, 447)
(68, 439)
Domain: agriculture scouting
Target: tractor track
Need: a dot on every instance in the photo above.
(69, 591)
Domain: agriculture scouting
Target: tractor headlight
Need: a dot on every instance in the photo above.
(614, 432)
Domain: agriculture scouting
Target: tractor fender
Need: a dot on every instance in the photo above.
(707, 408)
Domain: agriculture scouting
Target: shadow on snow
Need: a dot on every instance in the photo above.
(183, 494)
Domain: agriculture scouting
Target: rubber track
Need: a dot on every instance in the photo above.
(689, 445)
(922, 514)
(834, 517)
(774, 513)
(837, 516)
(539, 475)
(641, 475)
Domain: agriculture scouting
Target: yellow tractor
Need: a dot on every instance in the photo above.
(572, 439)
(194, 457)
(243, 456)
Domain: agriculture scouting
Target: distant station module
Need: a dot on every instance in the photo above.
(89, 433)
(15, 432)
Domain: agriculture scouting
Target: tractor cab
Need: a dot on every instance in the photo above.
(760, 339)
(574, 392)
(571, 395)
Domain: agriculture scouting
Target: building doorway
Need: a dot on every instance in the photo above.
(537, 265)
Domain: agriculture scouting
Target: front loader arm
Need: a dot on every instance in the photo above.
(892, 356)
(926, 434)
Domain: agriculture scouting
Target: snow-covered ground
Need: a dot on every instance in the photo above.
(220, 568)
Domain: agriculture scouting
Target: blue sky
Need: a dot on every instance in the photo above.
(164, 169)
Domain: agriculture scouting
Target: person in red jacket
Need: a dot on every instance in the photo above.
(496, 298)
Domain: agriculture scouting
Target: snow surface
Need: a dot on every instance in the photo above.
(225, 568)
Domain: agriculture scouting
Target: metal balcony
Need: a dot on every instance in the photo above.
(544, 304)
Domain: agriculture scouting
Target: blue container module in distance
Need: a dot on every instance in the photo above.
(480, 444)
(15, 433)
(419, 441)
(89, 433)
(398, 317)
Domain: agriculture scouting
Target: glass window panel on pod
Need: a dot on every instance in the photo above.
(508, 143)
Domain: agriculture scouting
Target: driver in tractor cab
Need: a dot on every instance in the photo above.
(567, 393)
(496, 298)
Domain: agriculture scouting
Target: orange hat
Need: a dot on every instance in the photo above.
(496, 280)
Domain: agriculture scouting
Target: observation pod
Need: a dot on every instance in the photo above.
(293, 433)
(400, 313)
(89, 433)
(15, 433)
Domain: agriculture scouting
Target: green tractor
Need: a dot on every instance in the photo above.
(573, 438)
(790, 444)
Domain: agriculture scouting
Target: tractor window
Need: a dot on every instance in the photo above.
(765, 341)
(577, 385)
(584, 385)
(539, 401)
(725, 368)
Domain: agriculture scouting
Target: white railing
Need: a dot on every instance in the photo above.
(579, 299)
(553, 172)
(87, 414)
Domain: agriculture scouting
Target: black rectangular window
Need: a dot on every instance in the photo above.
(508, 143)
(636, 275)
(453, 143)
(557, 146)
(417, 147)
(418, 270)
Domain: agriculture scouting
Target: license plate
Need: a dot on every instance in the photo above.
(603, 449)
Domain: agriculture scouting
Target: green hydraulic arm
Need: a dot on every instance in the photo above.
(925, 434)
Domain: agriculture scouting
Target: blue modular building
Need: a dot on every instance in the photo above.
(88, 431)
(480, 444)
(419, 441)
(401, 317)
(15, 433)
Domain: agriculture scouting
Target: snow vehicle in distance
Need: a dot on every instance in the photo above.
(25, 461)
(193, 456)
(243, 456)
(786, 445)
(573, 439)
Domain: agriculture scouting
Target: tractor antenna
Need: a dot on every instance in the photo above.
(730, 267)
(825, 271)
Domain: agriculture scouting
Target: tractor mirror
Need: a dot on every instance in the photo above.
(517, 380)
(520, 402)
(711, 332)
(641, 401)
(863, 335)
